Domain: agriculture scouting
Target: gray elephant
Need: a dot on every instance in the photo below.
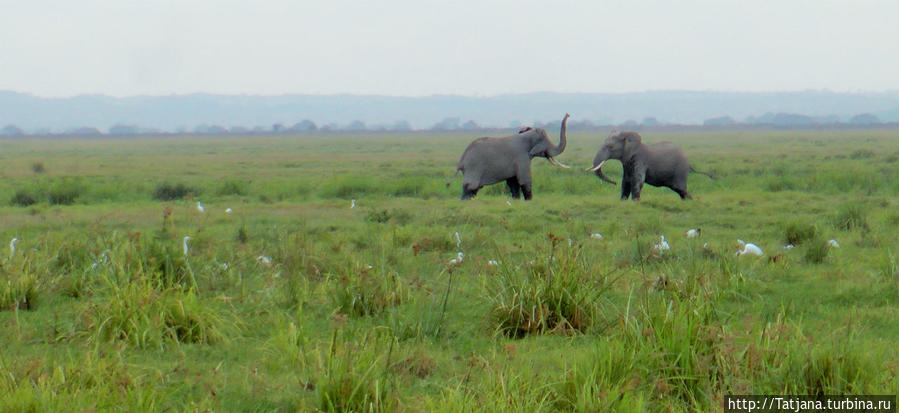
(658, 164)
(487, 161)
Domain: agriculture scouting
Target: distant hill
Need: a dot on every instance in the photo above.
(199, 112)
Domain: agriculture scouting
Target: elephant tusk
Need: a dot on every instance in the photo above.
(595, 168)
(557, 163)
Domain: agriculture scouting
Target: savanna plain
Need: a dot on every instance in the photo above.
(296, 301)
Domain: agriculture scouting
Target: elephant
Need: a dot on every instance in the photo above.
(487, 161)
(658, 164)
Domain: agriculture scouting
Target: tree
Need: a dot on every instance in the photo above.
(471, 125)
(356, 125)
(650, 121)
(719, 121)
(305, 125)
(120, 129)
(401, 125)
(84, 131)
(446, 124)
(864, 119)
(11, 130)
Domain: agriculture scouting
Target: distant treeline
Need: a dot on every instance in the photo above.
(451, 124)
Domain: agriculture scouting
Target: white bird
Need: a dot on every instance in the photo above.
(457, 260)
(228, 211)
(509, 203)
(200, 207)
(12, 247)
(693, 232)
(661, 246)
(833, 243)
(262, 259)
(788, 247)
(458, 240)
(186, 238)
(492, 262)
(596, 235)
(749, 248)
(103, 259)
(353, 204)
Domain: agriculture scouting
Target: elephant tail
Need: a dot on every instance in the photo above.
(702, 173)
(452, 178)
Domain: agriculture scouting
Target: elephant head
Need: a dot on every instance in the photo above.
(540, 145)
(621, 146)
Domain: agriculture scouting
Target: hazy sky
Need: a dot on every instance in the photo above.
(420, 47)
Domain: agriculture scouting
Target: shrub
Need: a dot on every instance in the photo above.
(144, 317)
(816, 250)
(64, 192)
(360, 292)
(861, 154)
(232, 187)
(38, 168)
(22, 198)
(797, 232)
(18, 291)
(547, 296)
(849, 217)
(354, 376)
(380, 217)
(170, 192)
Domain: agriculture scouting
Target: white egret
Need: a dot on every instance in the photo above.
(353, 204)
(661, 246)
(693, 232)
(200, 207)
(458, 240)
(492, 262)
(749, 248)
(457, 260)
(228, 211)
(186, 238)
(596, 235)
(833, 243)
(12, 247)
(265, 261)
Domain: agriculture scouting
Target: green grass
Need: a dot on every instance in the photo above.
(359, 309)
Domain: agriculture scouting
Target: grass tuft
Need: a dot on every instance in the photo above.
(23, 198)
(171, 192)
(796, 232)
(850, 217)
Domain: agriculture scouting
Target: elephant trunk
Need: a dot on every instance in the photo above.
(597, 167)
(563, 139)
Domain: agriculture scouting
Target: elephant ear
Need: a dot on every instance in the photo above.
(524, 129)
(632, 142)
(539, 149)
(540, 145)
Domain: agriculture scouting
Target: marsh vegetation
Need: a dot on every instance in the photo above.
(359, 309)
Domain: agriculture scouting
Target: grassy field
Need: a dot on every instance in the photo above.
(297, 302)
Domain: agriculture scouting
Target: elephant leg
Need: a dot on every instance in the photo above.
(526, 189)
(637, 184)
(469, 191)
(683, 193)
(625, 190)
(626, 184)
(514, 187)
(523, 178)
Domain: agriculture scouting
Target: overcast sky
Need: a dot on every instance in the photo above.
(420, 47)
